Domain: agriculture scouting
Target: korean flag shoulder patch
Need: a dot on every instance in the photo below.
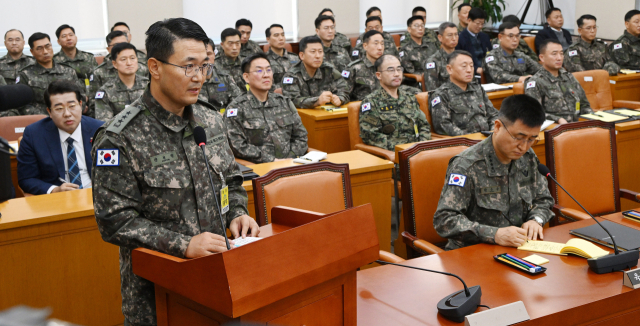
(489, 59)
(358, 41)
(617, 46)
(495, 46)
(401, 54)
(287, 80)
(108, 157)
(18, 79)
(355, 53)
(531, 84)
(431, 65)
(99, 95)
(402, 38)
(346, 73)
(573, 53)
(457, 180)
(366, 107)
(232, 112)
(435, 101)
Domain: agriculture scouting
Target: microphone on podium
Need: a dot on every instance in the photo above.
(200, 136)
(456, 305)
(605, 264)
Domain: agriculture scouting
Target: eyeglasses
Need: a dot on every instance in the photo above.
(452, 35)
(521, 140)
(329, 28)
(512, 36)
(591, 28)
(41, 48)
(418, 26)
(191, 70)
(392, 70)
(262, 72)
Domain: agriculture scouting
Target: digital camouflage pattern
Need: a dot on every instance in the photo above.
(113, 96)
(10, 68)
(472, 212)
(261, 132)
(561, 97)
(457, 112)
(84, 63)
(246, 50)
(413, 56)
(430, 36)
(436, 72)
(304, 90)
(500, 67)
(362, 80)
(522, 47)
(336, 56)
(2, 82)
(342, 41)
(106, 72)
(460, 28)
(358, 51)
(386, 121)
(281, 64)
(159, 196)
(581, 56)
(625, 51)
(226, 66)
(219, 90)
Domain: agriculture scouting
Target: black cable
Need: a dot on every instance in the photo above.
(484, 306)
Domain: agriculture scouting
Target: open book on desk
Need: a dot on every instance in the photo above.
(311, 157)
(578, 247)
(491, 87)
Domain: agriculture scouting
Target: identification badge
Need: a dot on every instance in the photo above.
(86, 82)
(224, 199)
(415, 128)
(578, 106)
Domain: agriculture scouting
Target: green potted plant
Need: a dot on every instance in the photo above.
(491, 7)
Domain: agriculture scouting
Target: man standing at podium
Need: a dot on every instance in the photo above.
(151, 187)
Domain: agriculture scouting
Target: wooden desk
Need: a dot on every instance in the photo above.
(327, 131)
(625, 87)
(628, 144)
(497, 97)
(370, 183)
(567, 294)
(14, 172)
(53, 256)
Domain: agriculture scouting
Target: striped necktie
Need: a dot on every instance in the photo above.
(72, 163)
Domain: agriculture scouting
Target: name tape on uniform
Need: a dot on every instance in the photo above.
(232, 112)
(287, 80)
(531, 84)
(108, 157)
(457, 179)
(366, 107)
(435, 101)
(346, 73)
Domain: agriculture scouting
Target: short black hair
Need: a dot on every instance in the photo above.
(229, 32)
(325, 10)
(477, 13)
(382, 59)
(456, 53)
(13, 30)
(246, 63)
(61, 86)
(545, 43)
(119, 48)
(466, 4)
(322, 18)
(115, 34)
(372, 18)
(414, 18)
(372, 9)
(549, 11)
(446, 25)
(162, 35)
(417, 9)
(511, 19)
(212, 43)
(582, 18)
(243, 22)
(63, 27)
(37, 37)
(508, 25)
(524, 108)
(302, 46)
(268, 31)
(367, 36)
(630, 14)
(120, 24)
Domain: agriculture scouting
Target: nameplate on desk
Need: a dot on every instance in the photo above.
(19, 130)
(632, 278)
(508, 314)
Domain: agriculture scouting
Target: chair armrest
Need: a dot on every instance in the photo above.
(390, 258)
(626, 104)
(243, 162)
(417, 77)
(570, 213)
(630, 195)
(377, 151)
(421, 245)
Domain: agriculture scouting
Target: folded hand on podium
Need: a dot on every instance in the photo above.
(241, 225)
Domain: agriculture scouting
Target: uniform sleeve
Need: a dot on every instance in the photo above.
(441, 116)
(370, 125)
(423, 126)
(298, 135)
(621, 55)
(496, 72)
(239, 142)
(610, 66)
(103, 109)
(405, 61)
(535, 92)
(341, 87)
(572, 63)
(492, 113)
(542, 201)
(351, 81)
(238, 199)
(293, 92)
(532, 66)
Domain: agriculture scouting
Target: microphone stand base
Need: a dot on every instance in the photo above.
(457, 305)
(611, 263)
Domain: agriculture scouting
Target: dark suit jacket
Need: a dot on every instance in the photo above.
(547, 33)
(40, 158)
(464, 43)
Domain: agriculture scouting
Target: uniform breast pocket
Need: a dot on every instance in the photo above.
(164, 194)
(460, 112)
(38, 84)
(285, 124)
(554, 102)
(491, 198)
(7, 72)
(256, 130)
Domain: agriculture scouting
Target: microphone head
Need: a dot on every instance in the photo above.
(200, 136)
(15, 96)
(543, 169)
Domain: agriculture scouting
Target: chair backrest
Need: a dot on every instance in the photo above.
(518, 88)
(582, 156)
(423, 170)
(353, 119)
(322, 187)
(396, 39)
(353, 41)
(423, 101)
(483, 78)
(531, 42)
(597, 87)
(11, 128)
(99, 59)
(287, 47)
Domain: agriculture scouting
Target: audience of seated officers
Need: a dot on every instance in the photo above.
(391, 115)
(125, 88)
(123, 27)
(416, 51)
(229, 62)
(12, 62)
(374, 23)
(461, 106)
(312, 82)
(506, 64)
(588, 53)
(340, 39)
(463, 16)
(55, 152)
(281, 59)
(247, 46)
(219, 89)
(82, 62)
(429, 36)
(559, 92)
(493, 192)
(553, 30)
(263, 126)
(522, 44)
(333, 54)
(624, 51)
(435, 67)
(473, 40)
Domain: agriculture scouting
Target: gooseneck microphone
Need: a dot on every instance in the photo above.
(605, 264)
(456, 305)
(200, 136)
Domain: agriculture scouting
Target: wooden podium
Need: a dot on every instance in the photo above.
(302, 273)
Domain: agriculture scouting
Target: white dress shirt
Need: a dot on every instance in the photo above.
(82, 164)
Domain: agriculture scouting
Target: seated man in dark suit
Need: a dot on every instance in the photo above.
(554, 30)
(55, 152)
(473, 40)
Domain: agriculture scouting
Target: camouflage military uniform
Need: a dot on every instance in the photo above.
(304, 90)
(413, 56)
(342, 41)
(625, 51)
(436, 70)
(362, 81)
(106, 72)
(386, 121)
(500, 67)
(456, 112)
(3, 82)
(336, 56)
(246, 50)
(522, 47)
(429, 36)
(389, 47)
(561, 97)
(261, 132)
(460, 28)
(219, 90)
(84, 63)
(581, 56)
(158, 196)
(280, 65)
(481, 195)
(113, 96)
(10, 68)
(225, 66)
